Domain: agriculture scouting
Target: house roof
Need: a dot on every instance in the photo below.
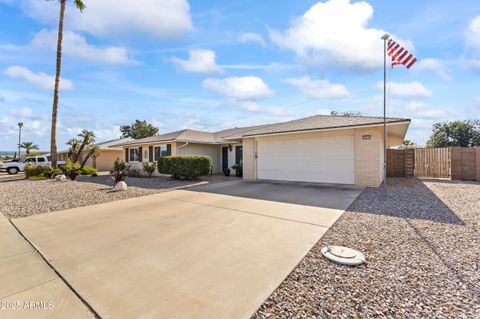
(316, 122)
(109, 145)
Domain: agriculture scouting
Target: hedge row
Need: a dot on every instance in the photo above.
(188, 167)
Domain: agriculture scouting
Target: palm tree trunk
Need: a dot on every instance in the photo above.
(87, 156)
(53, 140)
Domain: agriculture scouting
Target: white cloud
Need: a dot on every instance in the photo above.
(199, 61)
(159, 18)
(472, 35)
(335, 31)
(77, 46)
(319, 89)
(21, 112)
(252, 37)
(40, 79)
(434, 65)
(472, 41)
(422, 110)
(239, 88)
(406, 90)
(245, 105)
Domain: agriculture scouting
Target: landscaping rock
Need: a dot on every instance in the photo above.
(120, 186)
(60, 178)
(25, 197)
(422, 244)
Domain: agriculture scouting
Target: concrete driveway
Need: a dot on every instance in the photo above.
(186, 253)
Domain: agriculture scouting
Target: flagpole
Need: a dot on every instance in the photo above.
(385, 38)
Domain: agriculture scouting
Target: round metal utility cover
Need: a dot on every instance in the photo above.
(343, 255)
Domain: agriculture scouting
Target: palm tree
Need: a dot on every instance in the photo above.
(88, 138)
(74, 147)
(53, 139)
(20, 125)
(407, 144)
(28, 146)
(93, 152)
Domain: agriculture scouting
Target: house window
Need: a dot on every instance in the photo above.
(160, 151)
(134, 154)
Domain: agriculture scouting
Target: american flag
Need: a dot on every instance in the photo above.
(400, 55)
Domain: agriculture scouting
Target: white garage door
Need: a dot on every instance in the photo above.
(323, 160)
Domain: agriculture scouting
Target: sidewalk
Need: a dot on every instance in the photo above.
(29, 288)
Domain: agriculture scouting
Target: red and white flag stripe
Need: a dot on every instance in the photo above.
(400, 55)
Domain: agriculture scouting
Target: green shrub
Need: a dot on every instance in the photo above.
(118, 171)
(188, 167)
(33, 171)
(132, 172)
(238, 169)
(70, 169)
(149, 169)
(88, 170)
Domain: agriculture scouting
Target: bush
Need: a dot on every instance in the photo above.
(189, 167)
(33, 171)
(70, 169)
(118, 171)
(238, 169)
(88, 170)
(133, 172)
(149, 169)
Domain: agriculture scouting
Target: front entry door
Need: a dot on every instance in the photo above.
(224, 158)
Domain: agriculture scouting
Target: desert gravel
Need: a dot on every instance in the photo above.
(422, 246)
(22, 198)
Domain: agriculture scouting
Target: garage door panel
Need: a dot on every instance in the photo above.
(326, 160)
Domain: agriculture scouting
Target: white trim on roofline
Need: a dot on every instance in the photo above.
(327, 129)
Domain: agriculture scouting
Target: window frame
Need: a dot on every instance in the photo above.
(136, 151)
(162, 153)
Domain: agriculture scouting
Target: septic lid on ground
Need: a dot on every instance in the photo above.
(343, 255)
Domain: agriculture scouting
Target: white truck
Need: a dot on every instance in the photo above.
(15, 167)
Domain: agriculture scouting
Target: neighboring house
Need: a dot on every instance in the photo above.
(103, 162)
(321, 148)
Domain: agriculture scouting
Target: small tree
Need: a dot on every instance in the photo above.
(28, 146)
(149, 168)
(139, 129)
(88, 139)
(93, 152)
(118, 172)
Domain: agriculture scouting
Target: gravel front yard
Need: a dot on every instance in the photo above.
(423, 258)
(24, 197)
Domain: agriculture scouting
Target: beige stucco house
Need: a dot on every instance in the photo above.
(108, 154)
(321, 148)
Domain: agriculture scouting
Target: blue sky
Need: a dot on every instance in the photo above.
(211, 64)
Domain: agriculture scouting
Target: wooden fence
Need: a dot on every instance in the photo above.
(432, 162)
(460, 163)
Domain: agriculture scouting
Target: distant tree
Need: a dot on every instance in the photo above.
(139, 129)
(407, 144)
(28, 146)
(455, 133)
(336, 113)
